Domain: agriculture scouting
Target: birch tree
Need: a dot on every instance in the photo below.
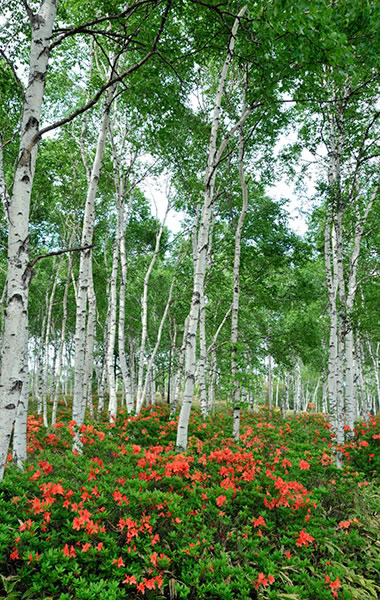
(214, 154)
(236, 290)
(79, 398)
(14, 363)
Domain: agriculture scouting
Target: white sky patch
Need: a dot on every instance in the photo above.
(157, 190)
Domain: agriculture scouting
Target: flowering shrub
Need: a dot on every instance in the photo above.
(269, 517)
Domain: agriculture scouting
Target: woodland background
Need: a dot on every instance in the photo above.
(99, 300)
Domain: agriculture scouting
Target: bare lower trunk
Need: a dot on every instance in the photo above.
(202, 359)
(179, 376)
(122, 287)
(297, 386)
(90, 338)
(47, 345)
(112, 402)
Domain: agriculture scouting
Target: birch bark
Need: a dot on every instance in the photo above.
(14, 366)
(112, 404)
(79, 399)
(214, 155)
(63, 335)
(47, 340)
(236, 290)
(122, 289)
(144, 316)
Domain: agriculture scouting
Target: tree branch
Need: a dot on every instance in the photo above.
(107, 85)
(11, 66)
(57, 253)
(28, 10)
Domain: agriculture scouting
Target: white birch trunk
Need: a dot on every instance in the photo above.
(90, 338)
(14, 365)
(79, 399)
(270, 384)
(47, 339)
(157, 344)
(144, 317)
(236, 289)
(122, 288)
(112, 403)
(179, 376)
(200, 268)
(63, 334)
(374, 354)
(202, 358)
(349, 305)
(297, 386)
(315, 395)
(325, 409)
(19, 453)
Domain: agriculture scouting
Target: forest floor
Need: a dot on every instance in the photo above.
(268, 517)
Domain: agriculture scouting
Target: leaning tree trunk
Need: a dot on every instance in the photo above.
(14, 365)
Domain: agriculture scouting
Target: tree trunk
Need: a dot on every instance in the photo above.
(47, 344)
(79, 399)
(236, 289)
(63, 333)
(14, 365)
(200, 268)
(144, 317)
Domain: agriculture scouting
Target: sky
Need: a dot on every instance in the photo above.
(155, 190)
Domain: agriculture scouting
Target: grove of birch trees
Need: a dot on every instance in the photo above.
(213, 105)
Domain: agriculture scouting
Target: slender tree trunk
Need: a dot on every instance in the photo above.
(315, 394)
(270, 384)
(181, 359)
(297, 386)
(144, 317)
(158, 340)
(112, 403)
(63, 334)
(202, 358)
(374, 354)
(236, 289)
(200, 268)
(90, 338)
(122, 288)
(79, 399)
(47, 344)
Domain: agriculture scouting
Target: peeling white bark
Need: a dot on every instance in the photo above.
(14, 367)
